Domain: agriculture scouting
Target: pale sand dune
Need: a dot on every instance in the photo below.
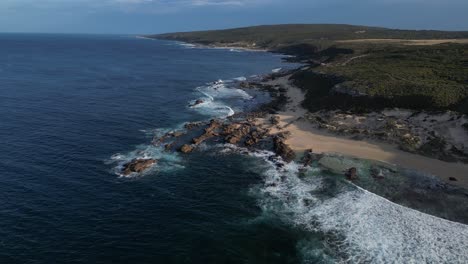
(305, 136)
(407, 41)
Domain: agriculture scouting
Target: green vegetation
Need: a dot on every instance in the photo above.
(361, 75)
(418, 77)
(275, 36)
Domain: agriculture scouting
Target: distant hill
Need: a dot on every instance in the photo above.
(418, 69)
(275, 36)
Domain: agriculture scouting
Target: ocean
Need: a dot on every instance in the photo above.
(75, 108)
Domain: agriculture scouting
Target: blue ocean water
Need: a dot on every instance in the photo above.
(73, 108)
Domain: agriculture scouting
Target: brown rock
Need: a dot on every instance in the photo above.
(177, 134)
(235, 132)
(229, 129)
(283, 150)
(138, 166)
(214, 124)
(186, 148)
(200, 139)
(233, 139)
(351, 174)
(275, 120)
(192, 125)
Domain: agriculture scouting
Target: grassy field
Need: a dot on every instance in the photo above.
(362, 68)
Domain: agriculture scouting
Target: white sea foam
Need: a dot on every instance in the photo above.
(240, 79)
(221, 91)
(367, 228)
(167, 161)
(213, 109)
(215, 94)
(379, 231)
(276, 70)
(187, 45)
(375, 230)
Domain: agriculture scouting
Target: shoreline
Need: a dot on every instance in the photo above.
(208, 46)
(304, 137)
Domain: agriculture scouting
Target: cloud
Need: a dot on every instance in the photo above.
(219, 3)
(174, 6)
(110, 3)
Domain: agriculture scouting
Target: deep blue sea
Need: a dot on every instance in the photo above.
(74, 108)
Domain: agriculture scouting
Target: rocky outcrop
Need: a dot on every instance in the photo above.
(283, 150)
(192, 125)
(138, 166)
(186, 148)
(438, 135)
(205, 136)
(210, 132)
(234, 133)
(214, 124)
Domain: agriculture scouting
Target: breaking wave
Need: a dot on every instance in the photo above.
(215, 98)
(167, 161)
(359, 226)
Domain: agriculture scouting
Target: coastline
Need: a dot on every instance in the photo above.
(210, 46)
(303, 136)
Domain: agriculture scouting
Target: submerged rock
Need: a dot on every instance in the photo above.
(197, 102)
(169, 146)
(309, 157)
(377, 173)
(177, 134)
(138, 166)
(351, 174)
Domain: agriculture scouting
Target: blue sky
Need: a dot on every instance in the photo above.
(156, 16)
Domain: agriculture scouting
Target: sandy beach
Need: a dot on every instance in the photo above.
(305, 136)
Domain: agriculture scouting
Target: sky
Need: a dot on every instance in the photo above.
(158, 16)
